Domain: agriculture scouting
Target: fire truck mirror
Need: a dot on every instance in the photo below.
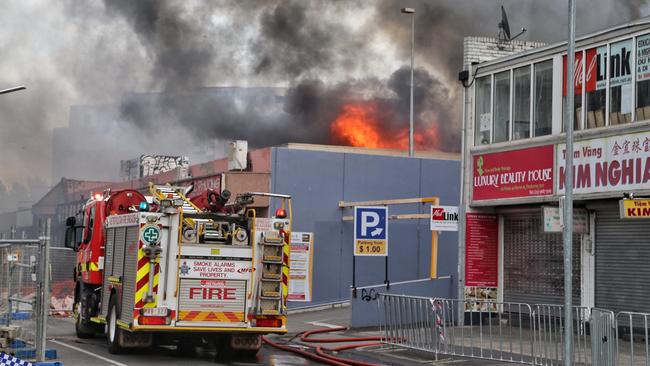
(71, 237)
(71, 221)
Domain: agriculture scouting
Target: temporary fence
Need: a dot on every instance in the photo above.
(18, 290)
(632, 346)
(25, 297)
(514, 332)
(61, 271)
(408, 322)
(548, 334)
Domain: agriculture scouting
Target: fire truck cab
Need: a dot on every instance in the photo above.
(160, 269)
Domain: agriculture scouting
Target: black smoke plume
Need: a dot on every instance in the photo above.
(165, 71)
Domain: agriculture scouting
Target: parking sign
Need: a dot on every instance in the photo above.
(371, 231)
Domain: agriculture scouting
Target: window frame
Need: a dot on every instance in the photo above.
(583, 125)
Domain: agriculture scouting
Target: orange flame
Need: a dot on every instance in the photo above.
(357, 125)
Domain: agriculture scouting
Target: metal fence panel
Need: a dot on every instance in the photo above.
(406, 321)
(632, 345)
(61, 281)
(603, 337)
(19, 291)
(514, 332)
(488, 330)
(548, 321)
(491, 330)
(25, 274)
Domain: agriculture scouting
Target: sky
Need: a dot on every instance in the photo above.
(324, 54)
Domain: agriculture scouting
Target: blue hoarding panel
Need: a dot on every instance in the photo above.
(318, 180)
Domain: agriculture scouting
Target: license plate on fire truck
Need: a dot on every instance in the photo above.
(154, 311)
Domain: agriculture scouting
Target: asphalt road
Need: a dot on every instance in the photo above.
(73, 351)
(76, 352)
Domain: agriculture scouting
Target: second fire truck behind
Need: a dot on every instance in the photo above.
(167, 270)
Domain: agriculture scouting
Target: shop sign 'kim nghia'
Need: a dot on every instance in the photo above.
(616, 163)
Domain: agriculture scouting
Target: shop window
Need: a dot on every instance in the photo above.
(578, 76)
(501, 106)
(483, 118)
(543, 102)
(521, 107)
(620, 83)
(643, 78)
(596, 86)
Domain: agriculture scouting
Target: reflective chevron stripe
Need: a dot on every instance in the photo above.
(207, 316)
(142, 278)
(88, 266)
(285, 267)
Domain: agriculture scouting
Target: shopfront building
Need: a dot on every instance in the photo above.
(514, 168)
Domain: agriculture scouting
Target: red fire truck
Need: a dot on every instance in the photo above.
(163, 269)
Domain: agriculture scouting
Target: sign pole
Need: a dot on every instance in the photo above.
(370, 237)
(354, 276)
(386, 281)
(568, 189)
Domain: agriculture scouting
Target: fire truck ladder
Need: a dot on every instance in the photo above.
(270, 293)
(168, 192)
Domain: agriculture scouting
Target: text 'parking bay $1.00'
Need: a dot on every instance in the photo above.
(370, 247)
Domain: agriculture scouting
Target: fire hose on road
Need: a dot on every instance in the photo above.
(320, 354)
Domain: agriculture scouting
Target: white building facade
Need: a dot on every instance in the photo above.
(513, 172)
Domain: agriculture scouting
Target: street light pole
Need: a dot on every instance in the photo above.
(411, 11)
(568, 189)
(14, 89)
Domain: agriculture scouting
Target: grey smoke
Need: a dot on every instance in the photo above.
(321, 53)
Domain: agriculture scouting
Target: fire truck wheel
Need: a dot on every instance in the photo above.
(186, 348)
(113, 331)
(82, 328)
(226, 353)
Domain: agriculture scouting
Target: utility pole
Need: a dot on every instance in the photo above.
(411, 11)
(567, 233)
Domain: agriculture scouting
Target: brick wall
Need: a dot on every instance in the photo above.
(481, 49)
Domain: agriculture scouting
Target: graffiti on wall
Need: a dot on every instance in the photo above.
(147, 165)
(156, 164)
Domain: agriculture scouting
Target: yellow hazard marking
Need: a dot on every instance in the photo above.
(286, 249)
(89, 266)
(98, 319)
(122, 324)
(142, 273)
(199, 316)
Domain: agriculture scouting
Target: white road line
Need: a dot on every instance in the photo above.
(326, 325)
(89, 353)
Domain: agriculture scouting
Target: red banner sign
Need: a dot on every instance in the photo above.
(512, 174)
(482, 250)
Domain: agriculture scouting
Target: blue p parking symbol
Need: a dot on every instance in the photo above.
(370, 230)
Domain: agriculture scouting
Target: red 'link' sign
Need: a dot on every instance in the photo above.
(512, 174)
(482, 250)
(438, 214)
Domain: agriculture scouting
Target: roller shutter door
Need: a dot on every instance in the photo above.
(622, 262)
(533, 263)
